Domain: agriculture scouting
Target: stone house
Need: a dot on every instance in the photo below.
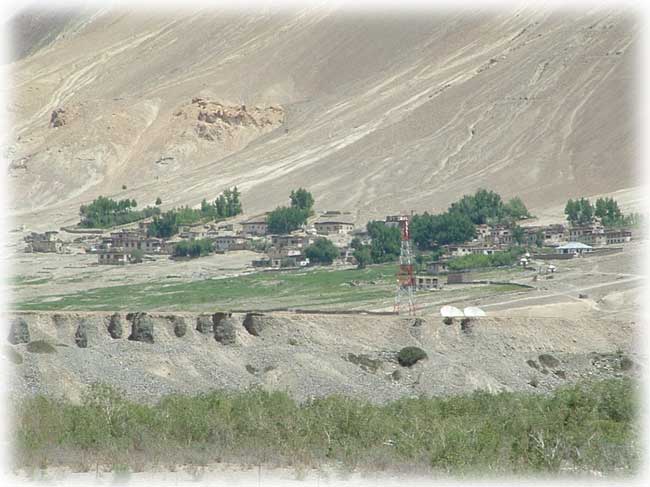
(462, 250)
(437, 267)
(618, 236)
(592, 234)
(424, 282)
(113, 257)
(255, 226)
(44, 242)
(328, 227)
(225, 243)
(300, 240)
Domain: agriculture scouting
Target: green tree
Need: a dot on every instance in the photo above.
(518, 234)
(481, 207)
(322, 251)
(356, 243)
(516, 209)
(158, 201)
(572, 211)
(302, 199)
(608, 211)
(286, 219)
(363, 256)
(386, 241)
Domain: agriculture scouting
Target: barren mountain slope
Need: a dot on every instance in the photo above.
(375, 113)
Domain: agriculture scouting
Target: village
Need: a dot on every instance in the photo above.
(524, 245)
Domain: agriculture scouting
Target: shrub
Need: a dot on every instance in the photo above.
(448, 320)
(40, 346)
(322, 251)
(409, 356)
(286, 219)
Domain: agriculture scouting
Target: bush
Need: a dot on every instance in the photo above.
(583, 427)
(362, 256)
(193, 248)
(40, 346)
(409, 356)
(284, 219)
(322, 251)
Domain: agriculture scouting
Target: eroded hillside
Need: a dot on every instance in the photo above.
(375, 113)
(309, 355)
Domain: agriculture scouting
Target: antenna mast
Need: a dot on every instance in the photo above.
(405, 295)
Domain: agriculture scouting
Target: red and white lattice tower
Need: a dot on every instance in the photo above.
(405, 295)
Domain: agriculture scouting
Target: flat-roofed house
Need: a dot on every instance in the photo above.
(618, 236)
(333, 225)
(113, 257)
(423, 282)
(224, 243)
(256, 225)
(462, 250)
(44, 242)
(574, 248)
(437, 267)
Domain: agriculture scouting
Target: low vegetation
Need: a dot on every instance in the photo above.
(589, 427)
(193, 248)
(479, 261)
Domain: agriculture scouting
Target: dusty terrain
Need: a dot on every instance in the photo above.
(311, 355)
(374, 113)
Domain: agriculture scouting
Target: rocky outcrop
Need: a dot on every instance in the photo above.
(141, 327)
(115, 329)
(217, 121)
(225, 328)
(204, 324)
(180, 327)
(58, 118)
(19, 331)
(81, 335)
(255, 323)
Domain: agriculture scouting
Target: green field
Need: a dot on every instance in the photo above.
(584, 428)
(314, 288)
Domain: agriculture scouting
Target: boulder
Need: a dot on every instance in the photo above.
(81, 335)
(115, 329)
(19, 331)
(204, 324)
(225, 328)
(141, 327)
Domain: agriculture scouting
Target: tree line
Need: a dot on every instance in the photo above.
(582, 212)
(105, 212)
(167, 224)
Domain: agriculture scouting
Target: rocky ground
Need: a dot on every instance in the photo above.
(309, 355)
